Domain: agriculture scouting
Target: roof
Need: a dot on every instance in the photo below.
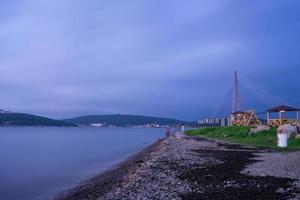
(238, 113)
(282, 108)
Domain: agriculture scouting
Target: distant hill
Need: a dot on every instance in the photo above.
(22, 119)
(123, 120)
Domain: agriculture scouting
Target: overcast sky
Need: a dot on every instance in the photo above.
(172, 58)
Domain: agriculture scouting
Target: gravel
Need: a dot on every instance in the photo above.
(196, 168)
(157, 178)
(276, 164)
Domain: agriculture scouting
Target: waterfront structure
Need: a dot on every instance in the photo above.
(227, 120)
(214, 121)
(282, 118)
(238, 117)
(247, 118)
(236, 94)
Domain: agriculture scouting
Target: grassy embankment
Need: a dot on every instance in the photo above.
(241, 135)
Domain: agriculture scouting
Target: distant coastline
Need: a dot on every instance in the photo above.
(12, 119)
(118, 120)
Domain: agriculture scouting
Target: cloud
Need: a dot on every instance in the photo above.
(78, 57)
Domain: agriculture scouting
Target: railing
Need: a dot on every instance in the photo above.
(279, 122)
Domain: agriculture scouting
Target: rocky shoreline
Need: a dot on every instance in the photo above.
(196, 168)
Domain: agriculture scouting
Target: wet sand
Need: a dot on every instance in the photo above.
(193, 168)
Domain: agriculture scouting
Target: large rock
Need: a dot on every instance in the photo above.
(179, 135)
(259, 128)
(298, 127)
(287, 129)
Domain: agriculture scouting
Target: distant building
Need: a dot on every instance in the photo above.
(214, 121)
(4, 111)
(153, 125)
(97, 125)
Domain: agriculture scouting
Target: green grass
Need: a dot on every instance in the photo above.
(241, 135)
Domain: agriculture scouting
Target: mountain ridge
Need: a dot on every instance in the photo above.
(24, 119)
(123, 120)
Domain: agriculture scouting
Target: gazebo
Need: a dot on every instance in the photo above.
(247, 118)
(281, 110)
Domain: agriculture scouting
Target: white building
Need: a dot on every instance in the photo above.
(214, 121)
(97, 125)
(4, 111)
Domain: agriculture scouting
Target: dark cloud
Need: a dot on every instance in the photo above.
(170, 58)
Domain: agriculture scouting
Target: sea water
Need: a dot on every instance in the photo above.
(36, 163)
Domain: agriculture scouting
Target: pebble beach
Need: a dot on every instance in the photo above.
(196, 168)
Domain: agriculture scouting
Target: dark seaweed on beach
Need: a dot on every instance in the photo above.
(224, 180)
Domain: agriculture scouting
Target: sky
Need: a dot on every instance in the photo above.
(173, 58)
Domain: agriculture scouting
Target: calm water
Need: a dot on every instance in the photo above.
(38, 162)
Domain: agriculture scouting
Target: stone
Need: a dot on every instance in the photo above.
(298, 127)
(280, 190)
(259, 128)
(287, 129)
(179, 135)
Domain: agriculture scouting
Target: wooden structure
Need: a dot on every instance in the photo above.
(281, 120)
(247, 118)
